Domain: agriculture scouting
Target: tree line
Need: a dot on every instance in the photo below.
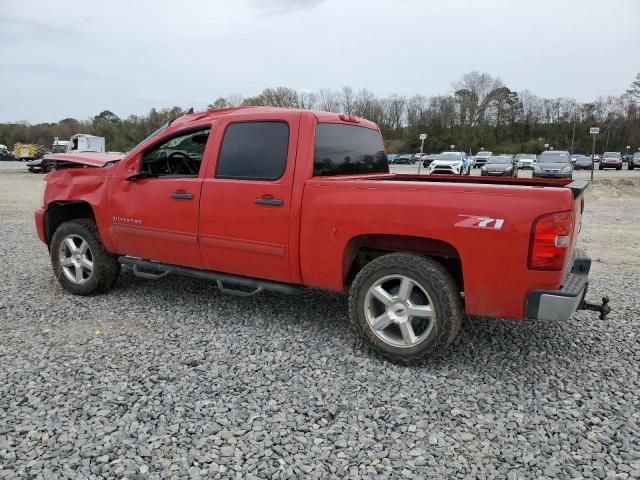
(480, 112)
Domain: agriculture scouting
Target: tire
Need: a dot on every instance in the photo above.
(429, 282)
(600, 167)
(48, 168)
(104, 266)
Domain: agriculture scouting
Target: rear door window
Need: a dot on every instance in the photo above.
(348, 150)
(254, 151)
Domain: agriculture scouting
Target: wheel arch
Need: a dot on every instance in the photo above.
(60, 212)
(362, 249)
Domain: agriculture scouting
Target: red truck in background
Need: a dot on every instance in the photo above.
(262, 198)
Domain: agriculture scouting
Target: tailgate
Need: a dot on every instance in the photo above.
(577, 187)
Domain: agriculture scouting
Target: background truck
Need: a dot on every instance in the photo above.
(59, 146)
(261, 198)
(83, 142)
(25, 151)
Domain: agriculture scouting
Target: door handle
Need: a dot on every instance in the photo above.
(182, 195)
(276, 202)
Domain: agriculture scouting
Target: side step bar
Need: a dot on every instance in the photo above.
(157, 270)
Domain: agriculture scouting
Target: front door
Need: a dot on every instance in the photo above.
(154, 214)
(246, 198)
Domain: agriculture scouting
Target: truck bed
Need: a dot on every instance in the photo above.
(576, 186)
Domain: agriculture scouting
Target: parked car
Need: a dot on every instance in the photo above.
(576, 156)
(553, 164)
(481, 158)
(404, 159)
(583, 162)
(634, 161)
(452, 163)
(500, 166)
(611, 160)
(5, 154)
(525, 161)
(39, 166)
(323, 223)
(426, 161)
(418, 157)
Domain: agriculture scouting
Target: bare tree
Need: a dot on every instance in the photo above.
(307, 99)
(329, 101)
(347, 98)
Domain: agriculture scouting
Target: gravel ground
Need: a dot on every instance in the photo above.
(172, 379)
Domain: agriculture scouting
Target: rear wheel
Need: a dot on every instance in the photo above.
(79, 260)
(405, 307)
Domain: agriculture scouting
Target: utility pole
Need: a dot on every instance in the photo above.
(573, 136)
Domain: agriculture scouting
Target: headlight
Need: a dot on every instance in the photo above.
(483, 169)
(566, 169)
(508, 168)
(537, 168)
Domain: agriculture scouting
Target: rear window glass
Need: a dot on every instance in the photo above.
(254, 151)
(348, 150)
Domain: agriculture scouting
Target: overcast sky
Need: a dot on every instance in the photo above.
(68, 58)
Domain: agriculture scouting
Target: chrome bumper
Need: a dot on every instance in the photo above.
(559, 305)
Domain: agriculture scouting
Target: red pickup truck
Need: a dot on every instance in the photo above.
(262, 198)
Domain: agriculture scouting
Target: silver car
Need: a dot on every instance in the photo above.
(553, 164)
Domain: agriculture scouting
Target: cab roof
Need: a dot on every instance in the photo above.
(322, 117)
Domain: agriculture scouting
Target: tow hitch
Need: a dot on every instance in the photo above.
(603, 308)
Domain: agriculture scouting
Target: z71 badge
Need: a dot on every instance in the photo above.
(477, 221)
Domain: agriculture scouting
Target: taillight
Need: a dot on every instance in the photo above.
(550, 241)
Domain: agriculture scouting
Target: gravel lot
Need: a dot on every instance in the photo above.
(172, 379)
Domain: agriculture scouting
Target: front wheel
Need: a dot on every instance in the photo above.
(405, 307)
(80, 262)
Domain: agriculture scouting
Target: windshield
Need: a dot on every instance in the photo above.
(526, 156)
(484, 154)
(348, 150)
(449, 156)
(58, 149)
(611, 155)
(500, 159)
(554, 157)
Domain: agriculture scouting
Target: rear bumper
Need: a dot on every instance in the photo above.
(39, 219)
(559, 305)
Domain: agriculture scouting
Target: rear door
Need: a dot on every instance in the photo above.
(246, 197)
